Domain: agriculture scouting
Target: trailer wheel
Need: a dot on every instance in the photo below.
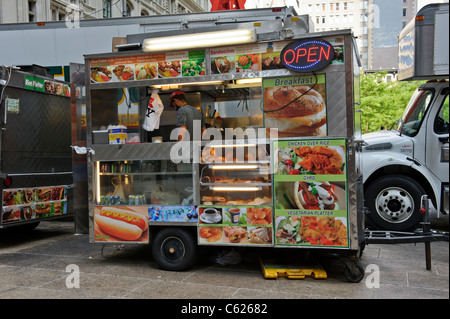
(394, 203)
(174, 249)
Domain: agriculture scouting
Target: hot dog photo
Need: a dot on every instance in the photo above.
(121, 224)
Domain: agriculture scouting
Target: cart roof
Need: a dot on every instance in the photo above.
(303, 36)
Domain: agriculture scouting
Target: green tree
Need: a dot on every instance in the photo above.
(383, 102)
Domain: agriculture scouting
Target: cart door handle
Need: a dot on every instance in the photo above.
(5, 116)
(83, 150)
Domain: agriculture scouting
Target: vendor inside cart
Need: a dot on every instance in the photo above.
(187, 117)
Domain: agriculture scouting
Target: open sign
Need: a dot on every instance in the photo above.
(307, 55)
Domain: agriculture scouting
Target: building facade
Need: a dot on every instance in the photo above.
(376, 25)
(328, 15)
(23, 11)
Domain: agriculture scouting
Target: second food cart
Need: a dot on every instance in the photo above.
(36, 177)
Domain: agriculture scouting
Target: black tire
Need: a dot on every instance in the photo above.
(29, 226)
(24, 228)
(394, 203)
(174, 249)
(354, 275)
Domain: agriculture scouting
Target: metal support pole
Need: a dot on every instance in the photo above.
(428, 255)
(426, 229)
(124, 8)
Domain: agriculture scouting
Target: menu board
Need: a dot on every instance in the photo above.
(223, 60)
(235, 225)
(47, 86)
(237, 59)
(310, 192)
(24, 204)
(148, 66)
(178, 64)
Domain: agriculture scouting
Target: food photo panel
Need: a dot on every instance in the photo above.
(296, 106)
(310, 192)
(124, 224)
(311, 231)
(235, 225)
(210, 215)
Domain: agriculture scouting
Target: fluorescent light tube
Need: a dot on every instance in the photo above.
(248, 81)
(231, 189)
(97, 181)
(199, 40)
(159, 86)
(234, 166)
(231, 145)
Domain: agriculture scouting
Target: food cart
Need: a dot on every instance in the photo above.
(278, 163)
(36, 158)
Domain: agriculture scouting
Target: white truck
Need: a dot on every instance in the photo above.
(402, 164)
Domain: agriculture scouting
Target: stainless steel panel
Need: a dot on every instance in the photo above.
(336, 104)
(38, 138)
(35, 141)
(142, 151)
(80, 203)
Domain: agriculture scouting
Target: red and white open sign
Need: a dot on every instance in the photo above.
(307, 55)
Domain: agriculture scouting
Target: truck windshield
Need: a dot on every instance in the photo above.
(441, 122)
(415, 112)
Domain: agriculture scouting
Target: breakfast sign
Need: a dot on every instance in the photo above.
(296, 106)
(310, 192)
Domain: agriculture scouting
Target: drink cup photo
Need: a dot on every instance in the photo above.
(210, 212)
(211, 216)
(235, 214)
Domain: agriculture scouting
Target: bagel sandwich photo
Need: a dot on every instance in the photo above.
(295, 110)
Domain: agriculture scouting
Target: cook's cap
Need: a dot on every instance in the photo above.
(171, 104)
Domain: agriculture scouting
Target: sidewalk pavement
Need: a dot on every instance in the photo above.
(43, 264)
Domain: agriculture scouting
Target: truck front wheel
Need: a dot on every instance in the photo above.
(394, 203)
(174, 249)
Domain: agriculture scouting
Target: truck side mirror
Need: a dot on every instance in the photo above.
(443, 139)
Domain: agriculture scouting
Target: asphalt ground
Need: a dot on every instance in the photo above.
(53, 263)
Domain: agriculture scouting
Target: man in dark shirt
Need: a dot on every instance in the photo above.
(186, 115)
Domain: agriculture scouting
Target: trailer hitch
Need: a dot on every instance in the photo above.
(424, 235)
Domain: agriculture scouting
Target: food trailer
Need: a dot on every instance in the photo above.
(35, 138)
(276, 166)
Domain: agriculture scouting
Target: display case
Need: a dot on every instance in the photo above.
(236, 174)
(139, 181)
(143, 182)
(236, 194)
